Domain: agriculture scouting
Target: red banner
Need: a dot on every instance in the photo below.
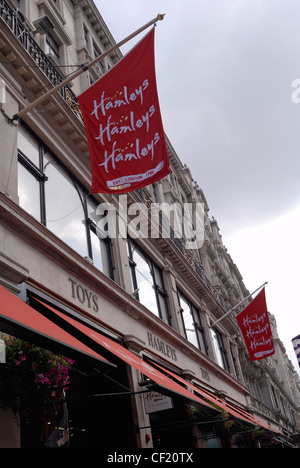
(256, 329)
(123, 124)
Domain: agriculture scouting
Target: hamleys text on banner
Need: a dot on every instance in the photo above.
(123, 124)
(256, 329)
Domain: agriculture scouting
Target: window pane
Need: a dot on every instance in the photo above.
(29, 192)
(188, 322)
(145, 282)
(100, 250)
(28, 145)
(101, 253)
(64, 211)
(200, 330)
(217, 348)
(52, 46)
(158, 277)
(163, 307)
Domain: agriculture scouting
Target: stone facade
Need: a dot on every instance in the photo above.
(42, 237)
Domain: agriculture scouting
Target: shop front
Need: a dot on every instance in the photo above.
(56, 391)
(67, 382)
(114, 389)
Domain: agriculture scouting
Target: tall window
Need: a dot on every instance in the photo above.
(52, 47)
(191, 320)
(51, 194)
(30, 175)
(99, 241)
(147, 282)
(220, 350)
(65, 214)
(99, 64)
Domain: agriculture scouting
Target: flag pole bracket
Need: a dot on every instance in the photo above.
(232, 309)
(73, 75)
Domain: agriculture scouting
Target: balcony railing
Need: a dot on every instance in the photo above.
(17, 25)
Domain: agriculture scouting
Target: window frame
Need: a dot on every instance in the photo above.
(199, 330)
(52, 47)
(218, 340)
(39, 174)
(159, 289)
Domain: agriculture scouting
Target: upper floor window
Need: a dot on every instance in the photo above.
(51, 194)
(220, 350)
(147, 282)
(52, 47)
(191, 320)
(97, 53)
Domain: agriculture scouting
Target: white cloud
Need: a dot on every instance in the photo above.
(270, 252)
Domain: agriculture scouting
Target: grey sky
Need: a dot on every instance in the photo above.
(224, 74)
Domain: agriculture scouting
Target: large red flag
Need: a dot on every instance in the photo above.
(256, 329)
(123, 124)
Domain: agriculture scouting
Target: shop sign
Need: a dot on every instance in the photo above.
(155, 401)
(160, 345)
(84, 295)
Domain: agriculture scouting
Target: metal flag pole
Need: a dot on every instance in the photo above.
(73, 75)
(231, 310)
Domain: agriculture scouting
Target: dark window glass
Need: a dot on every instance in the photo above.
(191, 319)
(220, 350)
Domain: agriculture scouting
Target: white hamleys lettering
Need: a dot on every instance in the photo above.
(257, 330)
(106, 132)
(108, 103)
(117, 155)
(254, 319)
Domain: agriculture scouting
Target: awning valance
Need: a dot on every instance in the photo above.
(224, 405)
(15, 314)
(130, 358)
(163, 377)
(16, 317)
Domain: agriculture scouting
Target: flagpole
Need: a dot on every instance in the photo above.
(73, 75)
(231, 310)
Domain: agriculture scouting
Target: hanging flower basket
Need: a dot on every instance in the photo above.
(32, 374)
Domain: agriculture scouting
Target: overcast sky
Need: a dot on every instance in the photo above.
(225, 70)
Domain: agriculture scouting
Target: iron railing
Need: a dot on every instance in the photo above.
(15, 21)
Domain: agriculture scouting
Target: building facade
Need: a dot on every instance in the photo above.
(156, 297)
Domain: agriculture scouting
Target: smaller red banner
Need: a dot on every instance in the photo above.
(256, 329)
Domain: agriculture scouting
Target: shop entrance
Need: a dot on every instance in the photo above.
(171, 428)
(99, 416)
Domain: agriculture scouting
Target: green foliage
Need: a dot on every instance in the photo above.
(32, 375)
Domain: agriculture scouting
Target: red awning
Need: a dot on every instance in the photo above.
(231, 409)
(159, 377)
(14, 313)
(130, 358)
